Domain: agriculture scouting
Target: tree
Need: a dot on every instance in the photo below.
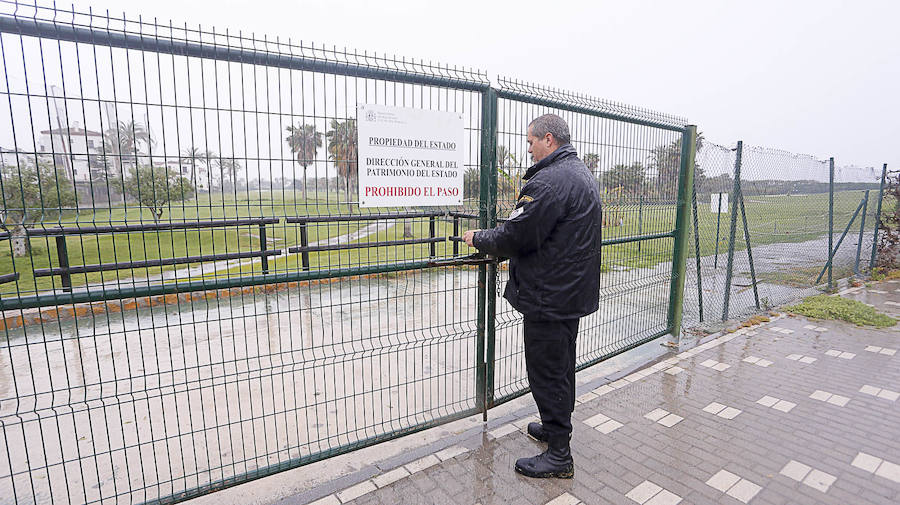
(124, 141)
(342, 149)
(304, 142)
(195, 157)
(630, 178)
(32, 193)
(155, 187)
(228, 167)
(592, 161)
(507, 168)
(666, 160)
(471, 183)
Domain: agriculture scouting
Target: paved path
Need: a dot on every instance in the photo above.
(793, 411)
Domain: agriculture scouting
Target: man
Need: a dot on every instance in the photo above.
(552, 238)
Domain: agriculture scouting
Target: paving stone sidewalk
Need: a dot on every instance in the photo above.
(790, 412)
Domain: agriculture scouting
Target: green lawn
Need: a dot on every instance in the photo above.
(771, 219)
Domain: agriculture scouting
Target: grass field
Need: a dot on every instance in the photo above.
(771, 219)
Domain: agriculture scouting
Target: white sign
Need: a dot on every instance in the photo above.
(410, 157)
(714, 203)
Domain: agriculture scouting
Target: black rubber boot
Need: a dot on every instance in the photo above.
(555, 462)
(536, 431)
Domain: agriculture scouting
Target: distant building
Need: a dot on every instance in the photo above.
(75, 148)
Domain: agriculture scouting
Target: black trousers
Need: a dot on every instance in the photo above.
(550, 363)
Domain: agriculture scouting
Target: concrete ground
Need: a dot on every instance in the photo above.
(792, 411)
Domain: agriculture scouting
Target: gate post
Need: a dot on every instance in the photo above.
(682, 224)
(487, 274)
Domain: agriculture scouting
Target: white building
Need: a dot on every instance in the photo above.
(74, 148)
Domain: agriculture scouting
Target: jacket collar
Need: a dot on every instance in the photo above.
(562, 151)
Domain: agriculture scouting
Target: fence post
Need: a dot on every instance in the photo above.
(733, 230)
(640, 221)
(487, 275)
(833, 253)
(431, 234)
(749, 250)
(718, 221)
(830, 220)
(62, 257)
(877, 218)
(262, 248)
(862, 229)
(304, 242)
(682, 226)
(455, 234)
(697, 250)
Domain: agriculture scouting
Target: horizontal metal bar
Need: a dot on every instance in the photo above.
(98, 36)
(361, 217)
(465, 215)
(5, 278)
(587, 364)
(127, 228)
(4, 235)
(305, 460)
(101, 293)
(103, 267)
(639, 238)
(557, 104)
(472, 259)
(363, 245)
(615, 241)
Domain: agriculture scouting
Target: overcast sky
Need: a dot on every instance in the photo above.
(819, 77)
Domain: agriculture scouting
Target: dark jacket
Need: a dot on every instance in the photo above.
(552, 239)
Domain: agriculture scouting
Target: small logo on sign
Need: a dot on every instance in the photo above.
(370, 115)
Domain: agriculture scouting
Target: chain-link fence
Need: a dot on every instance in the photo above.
(763, 240)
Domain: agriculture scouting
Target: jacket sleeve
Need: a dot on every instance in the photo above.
(530, 223)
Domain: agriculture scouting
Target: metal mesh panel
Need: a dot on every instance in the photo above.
(636, 166)
(195, 191)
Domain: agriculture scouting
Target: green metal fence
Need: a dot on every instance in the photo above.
(192, 296)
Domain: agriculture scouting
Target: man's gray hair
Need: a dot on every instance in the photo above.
(552, 124)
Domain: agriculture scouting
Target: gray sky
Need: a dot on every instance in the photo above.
(817, 77)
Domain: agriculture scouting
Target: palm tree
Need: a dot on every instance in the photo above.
(506, 167)
(342, 149)
(124, 141)
(304, 141)
(131, 135)
(229, 167)
(194, 157)
(666, 159)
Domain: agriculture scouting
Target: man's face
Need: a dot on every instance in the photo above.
(540, 147)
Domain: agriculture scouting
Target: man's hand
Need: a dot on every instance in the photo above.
(469, 237)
